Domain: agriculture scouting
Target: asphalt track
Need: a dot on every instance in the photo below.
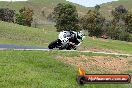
(20, 47)
(36, 48)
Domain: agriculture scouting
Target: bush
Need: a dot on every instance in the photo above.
(7, 15)
(25, 17)
(93, 22)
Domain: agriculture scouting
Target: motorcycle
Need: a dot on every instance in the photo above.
(66, 40)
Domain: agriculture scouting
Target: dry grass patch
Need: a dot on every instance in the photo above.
(99, 64)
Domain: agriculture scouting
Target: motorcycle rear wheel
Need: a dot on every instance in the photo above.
(53, 44)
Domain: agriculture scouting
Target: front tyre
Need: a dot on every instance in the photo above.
(68, 46)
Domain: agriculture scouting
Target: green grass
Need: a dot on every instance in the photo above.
(108, 44)
(16, 34)
(38, 69)
(22, 35)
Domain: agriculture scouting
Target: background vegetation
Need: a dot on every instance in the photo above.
(67, 17)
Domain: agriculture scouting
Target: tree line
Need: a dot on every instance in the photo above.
(119, 28)
(66, 18)
(23, 17)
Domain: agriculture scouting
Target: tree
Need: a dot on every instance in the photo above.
(66, 17)
(118, 32)
(25, 17)
(121, 25)
(97, 7)
(128, 22)
(93, 22)
(7, 14)
(119, 13)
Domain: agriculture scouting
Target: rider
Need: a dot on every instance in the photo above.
(78, 36)
(75, 39)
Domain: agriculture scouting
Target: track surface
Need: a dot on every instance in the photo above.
(33, 48)
(12, 46)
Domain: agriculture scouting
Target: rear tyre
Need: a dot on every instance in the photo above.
(53, 44)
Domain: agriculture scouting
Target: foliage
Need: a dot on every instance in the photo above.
(128, 22)
(119, 28)
(118, 32)
(7, 15)
(66, 17)
(119, 13)
(97, 7)
(121, 25)
(93, 22)
(25, 17)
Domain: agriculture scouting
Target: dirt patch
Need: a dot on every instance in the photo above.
(100, 64)
(98, 49)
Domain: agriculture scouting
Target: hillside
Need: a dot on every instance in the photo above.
(47, 5)
(107, 7)
(22, 35)
(38, 6)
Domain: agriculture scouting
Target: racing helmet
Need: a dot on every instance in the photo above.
(80, 35)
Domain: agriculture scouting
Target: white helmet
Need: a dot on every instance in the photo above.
(80, 35)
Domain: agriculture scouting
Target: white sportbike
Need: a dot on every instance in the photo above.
(67, 40)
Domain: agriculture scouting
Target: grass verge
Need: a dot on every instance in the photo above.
(39, 69)
(21, 35)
